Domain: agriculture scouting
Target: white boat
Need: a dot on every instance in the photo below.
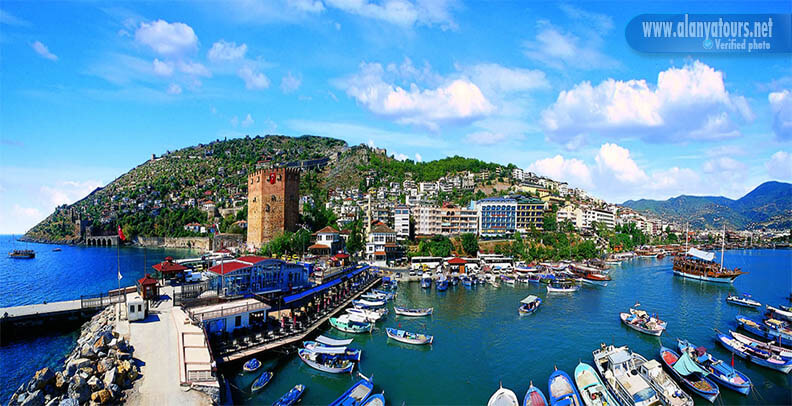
(325, 362)
(617, 366)
(592, 391)
(367, 314)
(670, 392)
(562, 287)
(771, 346)
(744, 300)
(779, 314)
(640, 320)
(332, 342)
(403, 311)
(408, 337)
(363, 303)
(503, 397)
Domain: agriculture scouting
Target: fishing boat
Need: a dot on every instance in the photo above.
(356, 394)
(592, 390)
(640, 320)
(766, 346)
(252, 365)
(22, 254)
(442, 284)
(387, 295)
(590, 275)
(375, 400)
(618, 365)
(261, 381)
(368, 304)
(687, 371)
(291, 397)
(755, 355)
(351, 354)
(404, 311)
(529, 305)
(781, 328)
(759, 329)
(346, 324)
(562, 391)
(744, 300)
(326, 362)
(777, 313)
(721, 372)
(333, 342)
(534, 397)
(503, 397)
(667, 389)
(426, 280)
(374, 297)
(409, 338)
(508, 280)
(368, 314)
(699, 265)
(562, 287)
(467, 281)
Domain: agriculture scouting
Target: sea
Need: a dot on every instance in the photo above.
(480, 340)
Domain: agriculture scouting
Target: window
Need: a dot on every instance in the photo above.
(140, 308)
(238, 321)
(131, 308)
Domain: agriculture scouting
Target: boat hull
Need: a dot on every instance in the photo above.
(401, 311)
(704, 278)
(709, 395)
(291, 397)
(346, 366)
(784, 367)
(566, 398)
(534, 397)
(419, 339)
(624, 316)
(720, 372)
(351, 328)
(362, 389)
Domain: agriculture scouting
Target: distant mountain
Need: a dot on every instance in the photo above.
(769, 205)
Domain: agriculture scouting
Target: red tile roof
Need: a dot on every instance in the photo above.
(341, 256)
(318, 247)
(251, 258)
(168, 267)
(456, 261)
(147, 280)
(226, 267)
(379, 252)
(326, 230)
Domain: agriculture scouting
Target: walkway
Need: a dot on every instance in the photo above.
(155, 342)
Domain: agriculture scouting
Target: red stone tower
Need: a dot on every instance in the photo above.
(273, 204)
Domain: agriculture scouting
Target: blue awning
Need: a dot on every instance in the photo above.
(316, 289)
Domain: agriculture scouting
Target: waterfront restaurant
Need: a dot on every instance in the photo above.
(259, 275)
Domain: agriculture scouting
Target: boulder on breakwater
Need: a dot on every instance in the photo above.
(97, 371)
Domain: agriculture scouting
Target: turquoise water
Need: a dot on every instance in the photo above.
(480, 340)
(54, 276)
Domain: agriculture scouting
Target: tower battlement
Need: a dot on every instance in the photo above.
(273, 204)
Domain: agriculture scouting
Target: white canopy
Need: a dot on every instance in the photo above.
(329, 350)
(333, 342)
(529, 299)
(707, 256)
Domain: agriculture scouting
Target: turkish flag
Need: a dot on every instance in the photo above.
(121, 234)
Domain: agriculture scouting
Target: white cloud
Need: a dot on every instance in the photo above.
(234, 121)
(174, 89)
(68, 192)
(687, 103)
(290, 83)
(403, 13)
(43, 51)
(558, 49)
(723, 164)
(781, 106)
(31, 213)
(226, 51)
(310, 6)
(418, 157)
(400, 157)
(780, 166)
(494, 78)
(8, 19)
(253, 80)
(163, 68)
(247, 121)
(193, 68)
(616, 160)
(485, 138)
(573, 171)
(456, 101)
(167, 38)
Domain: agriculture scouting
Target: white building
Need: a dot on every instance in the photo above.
(401, 221)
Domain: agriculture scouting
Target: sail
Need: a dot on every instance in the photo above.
(686, 366)
(707, 256)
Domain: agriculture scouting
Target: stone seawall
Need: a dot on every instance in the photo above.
(198, 243)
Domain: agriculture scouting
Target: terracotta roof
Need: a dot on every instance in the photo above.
(251, 259)
(326, 230)
(341, 256)
(382, 228)
(168, 267)
(456, 261)
(379, 252)
(226, 267)
(223, 251)
(391, 245)
(147, 280)
(318, 247)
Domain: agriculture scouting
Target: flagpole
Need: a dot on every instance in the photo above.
(118, 261)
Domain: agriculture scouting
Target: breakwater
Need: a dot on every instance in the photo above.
(196, 243)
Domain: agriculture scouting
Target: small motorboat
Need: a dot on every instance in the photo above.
(404, 311)
(426, 280)
(640, 320)
(56, 250)
(352, 354)
(291, 397)
(326, 362)
(374, 297)
(253, 364)
(375, 400)
(346, 324)
(666, 388)
(744, 300)
(778, 313)
(766, 346)
(442, 284)
(409, 338)
(534, 397)
(503, 397)
(761, 330)
(467, 281)
(368, 314)
(755, 355)
(387, 295)
(508, 280)
(562, 391)
(356, 394)
(332, 342)
(261, 381)
(687, 371)
(592, 390)
(562, 287)
(721, 372)
(529, 305)
(619, 366)
(369, 304)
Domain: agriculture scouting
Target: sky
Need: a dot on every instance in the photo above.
(90, 89)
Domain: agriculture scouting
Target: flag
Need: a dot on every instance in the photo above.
(732, 360)
(122, 237)
(119, 275)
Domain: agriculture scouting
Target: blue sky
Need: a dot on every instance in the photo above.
(91, 89)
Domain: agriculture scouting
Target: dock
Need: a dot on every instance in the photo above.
(296, 337)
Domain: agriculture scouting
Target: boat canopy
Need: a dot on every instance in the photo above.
(686, 366)
(329, 350)
(530, 299)
(619, 357)
(707, 256)
(333, 342)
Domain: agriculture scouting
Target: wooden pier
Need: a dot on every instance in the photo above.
(295, 338)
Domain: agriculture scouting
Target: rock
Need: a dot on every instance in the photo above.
(124, 356)
(42, 377)
(99, 345)
(78, 389)
(133, 373)
(101, 396)
(104, 365)
(80, 362)
(69, 402)
(115, 390)
(53, 402)
(88, 370)
(122, 345)
(113, 343)
(13, 400)
(87, 352)
(95, 383)
(59, 380)
(34, 399)
(110, 377)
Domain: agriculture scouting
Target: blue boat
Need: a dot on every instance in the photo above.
(291, 397)
(442, 285)
(467, 281)
(562, 390)
(723, 373)
(352, 354)
(756, 355)
(375, 400)
(261, 381)
(534, 397)
(355, 395)
(252, 365)
(687, 371)
(529, 305)
(426, 281)
(754, 327)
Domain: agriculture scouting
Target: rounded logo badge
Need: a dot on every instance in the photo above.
(707, 44)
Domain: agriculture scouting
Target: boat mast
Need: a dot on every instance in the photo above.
(723, 246)
(686, 238)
